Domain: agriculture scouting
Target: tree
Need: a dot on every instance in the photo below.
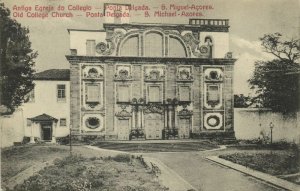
(17, 61)
(241, 101)
(276, 81)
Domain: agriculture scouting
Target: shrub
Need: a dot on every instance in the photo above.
(122, 158)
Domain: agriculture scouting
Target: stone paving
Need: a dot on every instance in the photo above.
(208, 176)
(259, 175)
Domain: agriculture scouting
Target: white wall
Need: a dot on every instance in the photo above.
(78, 40)
(220, 42)
(45, 101)
(247, 120)
(12, 129)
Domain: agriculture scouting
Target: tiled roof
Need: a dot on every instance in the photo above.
(43, 117)
(53, 74)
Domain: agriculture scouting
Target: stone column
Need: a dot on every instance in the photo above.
(54, 125)
(32, 136)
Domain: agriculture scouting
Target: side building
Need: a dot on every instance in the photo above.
(47, 111)
(152, 81)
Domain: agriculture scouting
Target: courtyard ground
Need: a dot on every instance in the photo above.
(191, 165)
(95, 171)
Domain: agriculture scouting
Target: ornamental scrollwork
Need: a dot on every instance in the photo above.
(154, 108)
(124, 114)
(123, 72)
(154, 74)
(213, 74)
(194, 44)
(112, 41)
(185, 112)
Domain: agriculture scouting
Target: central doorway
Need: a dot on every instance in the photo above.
(153, 126)
(46, 131)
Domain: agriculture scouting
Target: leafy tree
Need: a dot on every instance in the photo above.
(17, 60)
(277, 81)
(241, 101)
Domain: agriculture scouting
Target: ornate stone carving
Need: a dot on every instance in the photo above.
(154, 108)
(92, 72)
(123, 72)
(185, 112)
(154, 73)
(101, 47)
(194, 44)
(124, 114)
(184, 73)
(213, 74)
(112, 41)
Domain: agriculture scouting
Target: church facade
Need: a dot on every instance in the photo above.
(152, 81)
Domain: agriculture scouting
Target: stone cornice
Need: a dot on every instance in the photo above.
(150, 60)
(206, 28)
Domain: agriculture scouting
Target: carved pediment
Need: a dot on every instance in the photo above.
(123, 73)
(154, 108)
(184, 73)
(124, 114)
(213, 74)
(154, 73)
(92, 72)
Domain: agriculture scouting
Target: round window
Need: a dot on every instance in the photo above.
(213, 121)
(92, 122)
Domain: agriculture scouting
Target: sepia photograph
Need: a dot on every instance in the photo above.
(150, 95)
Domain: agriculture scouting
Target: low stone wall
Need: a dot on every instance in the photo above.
(249, 122)
(12, 129)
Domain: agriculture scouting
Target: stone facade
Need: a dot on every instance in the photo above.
(152, 81)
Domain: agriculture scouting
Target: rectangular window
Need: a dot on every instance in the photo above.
(61, 92)
(213, 93)
(154, 94)
(29, 122)
(123, 93)
(184, 93)
(90, 47)
(63, 122)
(93, 93)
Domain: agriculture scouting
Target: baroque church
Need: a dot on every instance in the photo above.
(152, 81)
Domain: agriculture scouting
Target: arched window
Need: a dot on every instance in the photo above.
(130, 47)
(176, 49)
(153, 45)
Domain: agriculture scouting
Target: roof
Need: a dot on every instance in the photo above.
(43, 117)
(53, 74)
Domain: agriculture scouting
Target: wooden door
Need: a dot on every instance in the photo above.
(153, 126)
(184, 128)
(47, 131)
(123, 129)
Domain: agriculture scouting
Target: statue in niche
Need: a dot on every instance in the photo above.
(208, 42)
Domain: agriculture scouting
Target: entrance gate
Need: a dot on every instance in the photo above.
(153, 126)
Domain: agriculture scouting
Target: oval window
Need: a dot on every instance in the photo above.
(213, 121)
(92, 122)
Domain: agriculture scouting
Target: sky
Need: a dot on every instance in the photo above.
(248, 19)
